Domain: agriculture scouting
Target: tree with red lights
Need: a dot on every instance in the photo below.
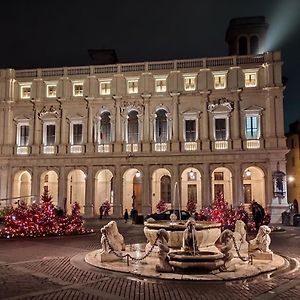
(161, 206)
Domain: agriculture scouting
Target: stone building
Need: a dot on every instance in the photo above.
(136, 133)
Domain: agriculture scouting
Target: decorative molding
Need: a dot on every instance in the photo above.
(220, 105)
(50, 111)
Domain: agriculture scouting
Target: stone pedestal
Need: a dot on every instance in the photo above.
(175, 146)
(146, 147)
(35, 149)
(206, 145)
(237, 144)
(118, 147)
(62, 149)
(89, 148)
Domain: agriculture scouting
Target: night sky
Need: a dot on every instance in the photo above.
(48, 33)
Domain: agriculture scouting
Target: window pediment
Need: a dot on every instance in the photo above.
(75, 117)
(48, 112)
(23, 118)
(222, 105)
(253, 109)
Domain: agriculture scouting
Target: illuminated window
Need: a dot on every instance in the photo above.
(49, 134)
(161, 126)
(25, 91)
(77, 89)
(132, 86)
(160, 85)
(190, 83)
(190, 130)
(220, 129)
(51, 90)
(250, 77)
(220, 81)
(218, 176)
(105, 88)
(22, 134)
(252, 127)
(76, 136)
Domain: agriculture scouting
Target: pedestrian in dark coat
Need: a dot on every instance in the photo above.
(126, 216)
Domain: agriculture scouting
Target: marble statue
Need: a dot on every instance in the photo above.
(162, 243)
(189, 242)
(262, 241)
(240, 236)
(227, 245)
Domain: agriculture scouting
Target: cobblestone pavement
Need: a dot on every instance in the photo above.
(53, 268)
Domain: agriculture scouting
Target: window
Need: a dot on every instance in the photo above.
(189, 83)
(49, 134)
(51, 90)
(133, 127)
(76, 133)
(105, 128)
(77, 89)
(251, 128)
(190, 130)
(218, 188)
(219, 80)
(105, 88)
(165, 188)
(250, 79)
(247, 193)
(218, 176)
(23, 135)
(161, 126)
(160, 85)
(25, 91)
(132, 86)
(220, 129)
(192, 192)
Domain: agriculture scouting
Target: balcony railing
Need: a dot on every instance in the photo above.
(160, 147)
(49, 149)
(132, 147)
(190, 146)
(22, 150)
(253, 144)
(76, 149)
(221, 145)
(104, 148)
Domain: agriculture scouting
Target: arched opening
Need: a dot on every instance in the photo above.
(254, 45)
(105, 128)
(133, 127)
(191, 187)
(132, 190)
(76, 189)
(222, 183)
(254, 185)
(103, 190)
(22, 187)
(161, 126)
(50, 179)
(161, 187)
(243, 45)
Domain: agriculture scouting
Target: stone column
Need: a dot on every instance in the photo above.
(117, 188)
(146, 127)
(204, 128)
(118, 129)
(146, 202)
(279, 120)
(35, 183)
(175, 116)
(62, 187)
(38, 131)
(63, 132)
(8, 133)
(89, 125)
(237, 188)
(236, 128)
(206, 186)
(89, 193)
(270, 138)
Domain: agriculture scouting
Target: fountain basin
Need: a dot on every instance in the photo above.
(200, 260)
(207, 232)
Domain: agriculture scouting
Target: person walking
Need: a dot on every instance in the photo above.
(258, 214)
(126, 216)
(101, 212)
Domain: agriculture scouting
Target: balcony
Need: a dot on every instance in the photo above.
(131, 147)
(221, 145)
(190, 146)
(104, 148)
(160, 147)
(22, 150)
(76, 149)
(253, 144)
(49, 149)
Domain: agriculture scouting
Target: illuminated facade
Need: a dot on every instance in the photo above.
(128, 132)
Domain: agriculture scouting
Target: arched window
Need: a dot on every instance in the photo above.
(243, 46)
(254, 45)
(105, 128)
(161, 126)
(133, 127)
(165, 188)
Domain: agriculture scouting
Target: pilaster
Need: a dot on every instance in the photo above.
(89, 194)
(175, 116)
(146, 202)
(204, 128)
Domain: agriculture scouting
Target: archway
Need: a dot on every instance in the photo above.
(50, 179)
(191, 187)
(254, 185)
(103, 189)
(132, 190)
(76, 189)
(161, 187)
(221, 180)
(22, 187)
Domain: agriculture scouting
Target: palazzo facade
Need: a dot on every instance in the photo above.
(136, 133)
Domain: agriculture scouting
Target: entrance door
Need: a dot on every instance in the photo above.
(137, 194)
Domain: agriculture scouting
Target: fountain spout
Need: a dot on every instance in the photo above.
(189, 242)
(176, 195)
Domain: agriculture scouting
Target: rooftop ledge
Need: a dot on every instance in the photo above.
(156, 66)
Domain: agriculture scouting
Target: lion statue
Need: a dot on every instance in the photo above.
(262, 241)
(115, 239)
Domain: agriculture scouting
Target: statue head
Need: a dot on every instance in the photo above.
(163, 234)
